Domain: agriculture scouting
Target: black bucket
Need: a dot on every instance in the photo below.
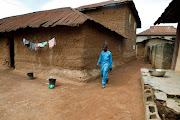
(52, 81)
(30, 75)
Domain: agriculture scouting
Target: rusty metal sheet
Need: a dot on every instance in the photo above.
(159, 30)
(102, 4)
(61, 16)
(49, 18)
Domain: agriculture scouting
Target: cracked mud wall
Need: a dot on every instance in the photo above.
(75, 55)
(94, 41)
(161, 57)
(117, 18)
(67, 53)
(4, 52)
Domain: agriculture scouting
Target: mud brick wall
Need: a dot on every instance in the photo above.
(140, 47)
(117, 18)
(162, 54)
(66, 54)
(4, 51)
(77, 47)
(94, 41)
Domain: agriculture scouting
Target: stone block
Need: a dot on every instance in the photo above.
(173, 106)
(160, 96)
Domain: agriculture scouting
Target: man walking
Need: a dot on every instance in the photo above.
(106, 64)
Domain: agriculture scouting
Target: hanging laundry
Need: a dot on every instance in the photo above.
(31, 46)
(52, 43)
(26, 42)
(42, 44)
(36, 46)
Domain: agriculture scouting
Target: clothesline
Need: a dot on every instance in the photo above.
(35, 46)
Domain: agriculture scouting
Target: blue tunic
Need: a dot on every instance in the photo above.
(106, 62)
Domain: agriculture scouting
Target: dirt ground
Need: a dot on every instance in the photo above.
(22, 99)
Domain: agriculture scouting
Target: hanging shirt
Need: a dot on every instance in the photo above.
(105, 59)
(31, 46)
(42, 44)
(36, 46)
(26, 42)
(52, 43)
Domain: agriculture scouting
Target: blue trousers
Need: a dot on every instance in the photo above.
(104, 73)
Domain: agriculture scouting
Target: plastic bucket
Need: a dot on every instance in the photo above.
(30, 75)
(52, 81)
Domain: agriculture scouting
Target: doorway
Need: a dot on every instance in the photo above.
(12, 63)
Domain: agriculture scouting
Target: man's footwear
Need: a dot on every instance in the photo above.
(103, 86)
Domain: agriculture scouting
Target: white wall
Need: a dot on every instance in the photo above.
(142, 38)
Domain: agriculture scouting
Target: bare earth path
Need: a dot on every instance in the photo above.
(22, 99)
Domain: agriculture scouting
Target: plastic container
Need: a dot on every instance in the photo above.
(52, 81)
(30, 75)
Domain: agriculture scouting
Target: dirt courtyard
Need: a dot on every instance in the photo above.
(22, 99)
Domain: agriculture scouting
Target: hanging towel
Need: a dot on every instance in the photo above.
(42, 44)
(26, 42)
(36, 46)
(31, 46)
(52, 43)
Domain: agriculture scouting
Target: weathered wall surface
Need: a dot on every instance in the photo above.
(152, 42)
(140, 49)
(117, 18)
(66, 54)
(75, 55)
(156, 41)
(161, 55)
(94, 41)
(141, 38)
(4, 52)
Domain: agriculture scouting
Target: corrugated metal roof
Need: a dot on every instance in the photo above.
(48, 18)
(159, 30)
(101, 4)
(113, 3)
(171, 13)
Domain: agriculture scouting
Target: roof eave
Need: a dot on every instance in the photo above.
(170, 14)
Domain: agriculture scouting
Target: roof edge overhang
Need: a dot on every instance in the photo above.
(170, 14)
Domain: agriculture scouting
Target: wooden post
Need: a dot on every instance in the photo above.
(176, 47)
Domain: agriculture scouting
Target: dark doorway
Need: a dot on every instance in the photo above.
(12, 52)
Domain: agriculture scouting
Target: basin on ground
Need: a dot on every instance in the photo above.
(157, 72)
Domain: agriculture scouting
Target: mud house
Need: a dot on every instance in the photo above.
(153, 36)
(120, 16)
(171, 15)
(79, 40)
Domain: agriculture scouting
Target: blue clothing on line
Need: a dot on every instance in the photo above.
(26, 42)
(31, 46)
(106, 62)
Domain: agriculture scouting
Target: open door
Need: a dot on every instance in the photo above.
(12, 63)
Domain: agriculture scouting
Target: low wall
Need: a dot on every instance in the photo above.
(160, 55)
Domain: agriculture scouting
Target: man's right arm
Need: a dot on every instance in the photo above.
(99, 60)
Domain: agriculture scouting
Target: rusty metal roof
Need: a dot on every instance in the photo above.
(159, 30)
(48, 18)
(171, 13)
(113, 3)
(101, 4)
